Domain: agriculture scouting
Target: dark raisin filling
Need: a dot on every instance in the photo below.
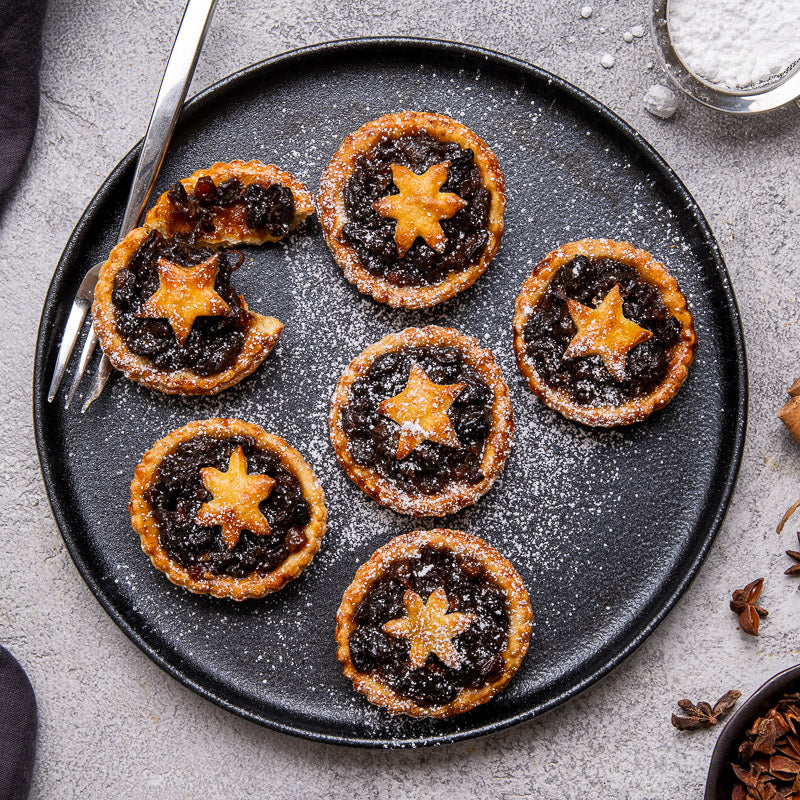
(470, 589)
(214, 342)
(269, 208)
(373, 438)
(550, 329)
(178, 492)
(372, 236)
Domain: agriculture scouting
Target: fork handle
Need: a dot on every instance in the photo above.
(174, 85)
(171, 94)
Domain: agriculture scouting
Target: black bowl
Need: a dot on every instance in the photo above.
(719, 783)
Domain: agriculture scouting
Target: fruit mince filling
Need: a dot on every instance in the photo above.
(373, 438)
(550, 329)
(178, 492)
(372, 235)
(470, 589)
(214, 343)
(263, 208)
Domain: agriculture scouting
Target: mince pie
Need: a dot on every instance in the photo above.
(435, 623)
(412, 207)
(225, 508)
(602, 333)
(233, 203)
(422, 422)
(167, 316)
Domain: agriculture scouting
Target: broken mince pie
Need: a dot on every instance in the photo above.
(225, 508)
(167, 316)
(422, 422)
(233, 203)
(602, 333)
(435, 623)
(412, 207)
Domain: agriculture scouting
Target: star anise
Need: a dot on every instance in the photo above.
(743, 603)
(790, 713)
(750, 777)
(795, 568)
(703, 715)
(783, 767)
(791, 747)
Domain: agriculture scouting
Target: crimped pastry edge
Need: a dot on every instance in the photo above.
(496, 449)
(404, 546)
(652, 272)
(225, 586)
(332, 215)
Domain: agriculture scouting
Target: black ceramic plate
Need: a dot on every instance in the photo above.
(607, 528)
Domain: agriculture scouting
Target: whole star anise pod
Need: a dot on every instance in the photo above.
(795, 568)
(703, 715)
(743, 603)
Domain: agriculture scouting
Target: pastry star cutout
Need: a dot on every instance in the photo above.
(236, 496)
(606, 332)
(429, 628)
(421, 412)
(185, 293)
(419, 206)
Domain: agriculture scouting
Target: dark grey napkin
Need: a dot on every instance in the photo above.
(20, 54)
(17, 729)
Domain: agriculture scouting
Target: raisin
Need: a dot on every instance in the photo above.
(178, 197)
(205, 191)
(124, 293)
(229, 192)
(271, 208)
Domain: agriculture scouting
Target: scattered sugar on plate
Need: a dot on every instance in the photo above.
(733, 43)
(586, 12)
(607, 60)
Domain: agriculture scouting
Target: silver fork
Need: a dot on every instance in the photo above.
(174, 85)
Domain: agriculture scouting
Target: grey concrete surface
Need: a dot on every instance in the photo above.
(113, 725)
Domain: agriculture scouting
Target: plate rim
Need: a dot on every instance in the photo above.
(636, 141)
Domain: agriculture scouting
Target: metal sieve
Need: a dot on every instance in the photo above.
(764, 96)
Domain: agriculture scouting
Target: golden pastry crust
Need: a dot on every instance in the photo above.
(498, 443)
(406, 546)
(261, 336)
(254, 585)
(650, 271)
(333, 216)
(230, 227)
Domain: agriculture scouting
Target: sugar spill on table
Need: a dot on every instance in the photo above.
(661, 101)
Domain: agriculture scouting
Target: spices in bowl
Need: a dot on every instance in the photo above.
(757, 755)
(768, 757)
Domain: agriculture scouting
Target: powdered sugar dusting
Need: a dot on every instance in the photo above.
(574, 509)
